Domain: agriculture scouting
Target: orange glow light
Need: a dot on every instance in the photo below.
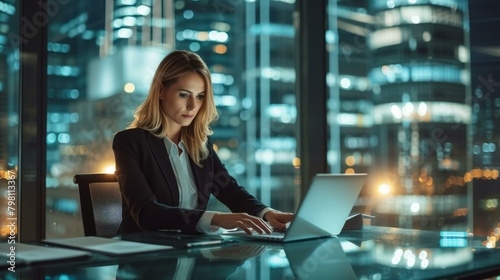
(350, 160)
(350, 171)
(384, 189)
(220, 49)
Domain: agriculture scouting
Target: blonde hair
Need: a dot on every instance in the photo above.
(150, 116)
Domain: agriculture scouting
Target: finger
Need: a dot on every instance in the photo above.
(286, 215)
(280, 216)
(285, 218)
(268, 228)
(243, 227)
(278, 225)
(260, 226)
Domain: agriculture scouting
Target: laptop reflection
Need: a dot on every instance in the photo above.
(207, 262)
(319, 259)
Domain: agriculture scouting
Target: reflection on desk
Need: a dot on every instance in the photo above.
(391, 253)
(371, 253)
(319, 259)
(205, 263)
(452, 250)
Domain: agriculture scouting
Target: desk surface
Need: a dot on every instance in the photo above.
(371, 253)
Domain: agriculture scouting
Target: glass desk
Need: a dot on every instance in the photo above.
(371, 253)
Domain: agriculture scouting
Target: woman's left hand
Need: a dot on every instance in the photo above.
(278, 220)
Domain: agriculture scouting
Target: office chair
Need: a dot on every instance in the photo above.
(100, 204)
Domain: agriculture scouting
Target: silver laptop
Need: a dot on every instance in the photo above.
(322, 212)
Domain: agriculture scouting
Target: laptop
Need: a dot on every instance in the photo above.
(322, 212)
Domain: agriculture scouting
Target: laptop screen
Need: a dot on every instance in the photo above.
(327, 204)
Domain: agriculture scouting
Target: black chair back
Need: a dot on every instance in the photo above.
(100, 204)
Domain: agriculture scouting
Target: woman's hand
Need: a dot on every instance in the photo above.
(278, 220)
(243, 221)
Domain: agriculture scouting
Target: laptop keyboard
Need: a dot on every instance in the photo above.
(275, 235)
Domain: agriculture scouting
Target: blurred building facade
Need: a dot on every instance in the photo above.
(400, 107)
(420, 72)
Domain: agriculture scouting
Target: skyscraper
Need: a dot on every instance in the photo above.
(421, 92)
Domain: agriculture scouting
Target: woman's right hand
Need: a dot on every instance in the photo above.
(243, 221)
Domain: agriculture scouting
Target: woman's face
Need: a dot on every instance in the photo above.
(182, 100)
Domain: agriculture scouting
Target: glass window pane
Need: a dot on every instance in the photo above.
(102, 56)
(9, 117)
(412, 101)
(485, 106)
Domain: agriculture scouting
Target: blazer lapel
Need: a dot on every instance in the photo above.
(161, 155)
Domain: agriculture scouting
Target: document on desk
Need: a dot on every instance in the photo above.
(20, 253)
(107, 245)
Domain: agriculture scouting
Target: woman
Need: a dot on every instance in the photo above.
(166, 165)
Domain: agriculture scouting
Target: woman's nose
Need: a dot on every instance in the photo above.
(190, 104)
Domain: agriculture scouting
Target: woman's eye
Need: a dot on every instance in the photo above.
(201, 97)
(183, 95)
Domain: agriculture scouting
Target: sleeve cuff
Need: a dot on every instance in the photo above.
(263, 212)
(204, 224)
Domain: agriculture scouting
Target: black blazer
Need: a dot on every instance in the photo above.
(149, 187)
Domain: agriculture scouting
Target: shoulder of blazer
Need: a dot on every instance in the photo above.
(135, 133)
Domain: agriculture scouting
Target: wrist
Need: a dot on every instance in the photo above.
(266, 215)
(215, 219)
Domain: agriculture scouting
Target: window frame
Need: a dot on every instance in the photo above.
(32, 121)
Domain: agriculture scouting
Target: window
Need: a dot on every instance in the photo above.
(412, 102)
(9, 119)
(100, 68)
(411, 99)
